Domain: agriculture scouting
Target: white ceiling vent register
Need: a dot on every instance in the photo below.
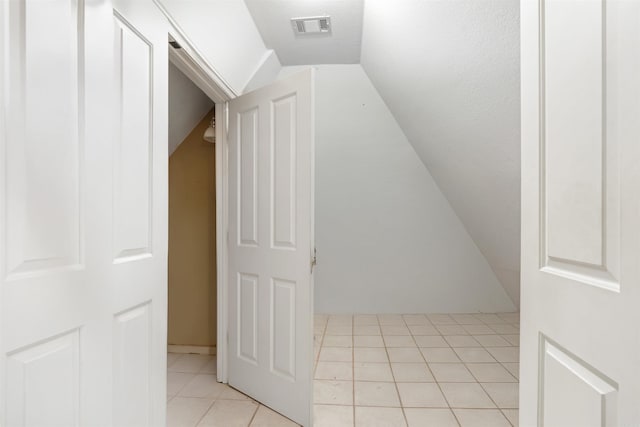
(311, 25)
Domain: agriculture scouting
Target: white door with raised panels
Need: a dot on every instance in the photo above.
(83, 218)
(580, 349)
(270, 245)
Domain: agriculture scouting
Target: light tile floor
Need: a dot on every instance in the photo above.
(196, 399)
(411, 370)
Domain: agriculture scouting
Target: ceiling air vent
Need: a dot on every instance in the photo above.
(311, 25)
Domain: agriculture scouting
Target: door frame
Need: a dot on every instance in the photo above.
(192, 63)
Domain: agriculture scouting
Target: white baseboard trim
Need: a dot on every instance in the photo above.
(192, 349)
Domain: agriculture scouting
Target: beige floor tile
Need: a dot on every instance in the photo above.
(423, 330)
(451, 372)
(441, 319)
(505, 395)
(332, 416)
(265, 417)
(404, 355)
(481, 418)
(490, 318)
(451, 330)
(394, 330)
(430, 417)
(229, 413)
(211, 367)
(337, 341)
(512, 416)
(366, 330)
(370, 355)
(474, 355)
(513, 368)
(231, 394)
(415, 319)
(369, 371)
(461, 341)
(191, 363)
(431, 341)
(390, 319)
(376, 394)
(340, 319)
(333, 392)
(504, 329)
(512, 339)
(421, 395)
(368, 341)
(176, 381)
(466, 319)
(379, 417)
(399, 341)
(339, 330)
(466, 395)
(412, 372)
(334, 371)
(365, 319)
(186, 411)
(492, 341)
(440, 355)
(490, 373)
(172, 357)
(479, 330)
(336, 354)
(202, 385)
(505, 354)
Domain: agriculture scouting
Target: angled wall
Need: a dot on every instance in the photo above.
(450, 76)
(387, 239)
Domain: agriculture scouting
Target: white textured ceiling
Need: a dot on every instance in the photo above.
(341, 46)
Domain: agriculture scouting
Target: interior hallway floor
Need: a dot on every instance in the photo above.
(396, 370)
(417, 370)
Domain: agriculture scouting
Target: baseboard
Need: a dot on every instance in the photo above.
(192, 349)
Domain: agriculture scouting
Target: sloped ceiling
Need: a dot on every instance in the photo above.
(449, 72)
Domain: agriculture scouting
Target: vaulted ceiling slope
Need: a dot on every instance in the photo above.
(449, 72)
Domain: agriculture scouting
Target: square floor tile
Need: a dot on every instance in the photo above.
(339, 330)
(492, 341)
(490, 373)
(230, 393)
(190, 363)
(452, 330)
(332, 416)
(370, 355)
(390, 319)
(334, 371)
(461, 341)
(474, 355)
(513, 368)
(365, 319)
(505, 354)
(265, 417)
(333, 392)
(505, 395)
(504, 329)
(376, 394)
(479, 330)
(481, 418)
(336, 354)
(489, 318)
(513, 339)
(451, 372)
(368, 341)
(441, 319)
(394, 330)
(421, 395)
(172, 357)
(399, 341)
(340, 319)
(176, 381)
(427, 417)
(366, 330)
(404, 355)
(337, 341)
(368, 371)
(229, 413)
(415, 319)
(211, 367)
(431, 341)
(186, 411)
(418, 330)
(202, 385)
(379, 417)
(466, 395)
(512, 416)
(439, 355)
(466, 319)
(411, 372)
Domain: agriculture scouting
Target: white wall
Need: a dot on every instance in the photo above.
(187, 106)
(387, 239)
(225, 34)
(450, 75)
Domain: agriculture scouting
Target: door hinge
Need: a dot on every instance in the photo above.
(314, 259)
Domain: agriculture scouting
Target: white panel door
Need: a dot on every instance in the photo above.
(270, 245)
(580, 349)
(83, 224)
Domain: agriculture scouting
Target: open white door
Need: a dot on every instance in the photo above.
(580, 350)
(270, 245)
(83, 213)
